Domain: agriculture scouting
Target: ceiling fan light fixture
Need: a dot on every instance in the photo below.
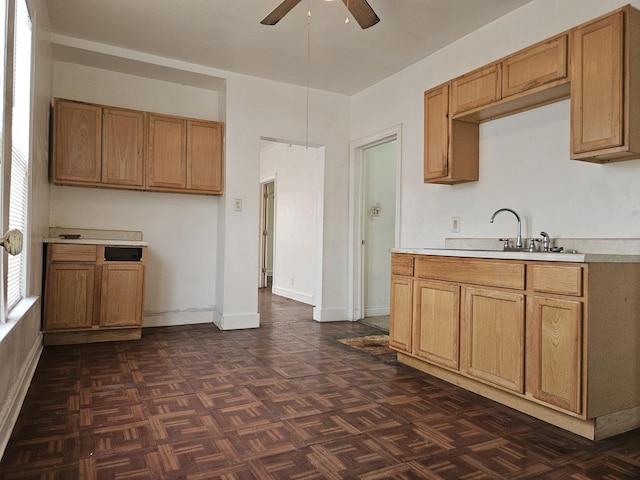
(359, 9)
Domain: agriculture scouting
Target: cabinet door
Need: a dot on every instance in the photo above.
(437, 323)
(535, 66)
(436, 133)
(401, 313)
(554, 352)
(121, 294)
(493, 330)
(204, 156)
(122, 151)
(597, 112)
(77, 143)
(69, 296)
(166, 153)
(475, 89)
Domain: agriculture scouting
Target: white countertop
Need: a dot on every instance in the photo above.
(98, 241)
(523, 255)
(119, 238)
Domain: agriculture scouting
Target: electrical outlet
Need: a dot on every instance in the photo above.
(455, 224)
(237, 205)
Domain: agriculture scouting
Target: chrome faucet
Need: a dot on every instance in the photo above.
(519, 237)
(546, 241)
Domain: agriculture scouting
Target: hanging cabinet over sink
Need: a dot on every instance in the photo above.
(605, 101)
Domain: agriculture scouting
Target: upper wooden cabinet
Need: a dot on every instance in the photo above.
(535, 66)
(204, 156)
(122, 147)
(102, 146)
(77, 142)
(184, 155)
(166, 153)
(450, 146)
(476, 88)
(605, 106)
(596, 65)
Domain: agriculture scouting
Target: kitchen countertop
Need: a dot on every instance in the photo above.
(120, 238)
(589, 250)
(523, 255)
(98, 241)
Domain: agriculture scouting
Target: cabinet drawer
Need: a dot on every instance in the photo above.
(477, 272)
(401, 264)
(560, 279)
(66, 252)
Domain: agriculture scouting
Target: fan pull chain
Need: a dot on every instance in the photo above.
(308, 70)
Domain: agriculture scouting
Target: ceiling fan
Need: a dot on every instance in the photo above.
(360, 9)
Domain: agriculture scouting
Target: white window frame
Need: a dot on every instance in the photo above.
(7, 144)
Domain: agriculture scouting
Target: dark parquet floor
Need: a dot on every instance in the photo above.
(285, 401)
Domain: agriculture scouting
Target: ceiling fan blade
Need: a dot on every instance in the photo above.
(279, 12)
(362, 12)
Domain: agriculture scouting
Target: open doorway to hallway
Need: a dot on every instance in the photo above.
(291, 248)
(267, 232)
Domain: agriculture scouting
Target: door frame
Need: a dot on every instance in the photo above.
(357, 214)
(263, 212)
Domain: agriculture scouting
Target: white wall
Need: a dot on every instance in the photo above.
(524, 158)
(181, 229)
(298, 171)
(258, 109)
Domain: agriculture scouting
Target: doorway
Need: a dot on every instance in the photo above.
(293, 241)
(374, 217)
(379, 222)
(267, 231)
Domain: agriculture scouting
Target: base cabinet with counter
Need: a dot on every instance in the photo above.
(93, 293)
(556, 340)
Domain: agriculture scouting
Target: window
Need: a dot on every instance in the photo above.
(20, 140)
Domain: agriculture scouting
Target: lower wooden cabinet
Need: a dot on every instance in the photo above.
(554, 352)
(401, 313)
(436, 328)
(121, 295)
(493, 329)
(555, 340)
(90, 299)
(69, 295)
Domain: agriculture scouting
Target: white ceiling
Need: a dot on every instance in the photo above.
(227, 35)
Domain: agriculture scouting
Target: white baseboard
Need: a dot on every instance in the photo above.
(10, 410)
(293, 295)
(376, 311)
(236, 321)
(330, 314)
(169, 318)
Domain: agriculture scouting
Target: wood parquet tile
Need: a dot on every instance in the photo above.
(285, 401)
